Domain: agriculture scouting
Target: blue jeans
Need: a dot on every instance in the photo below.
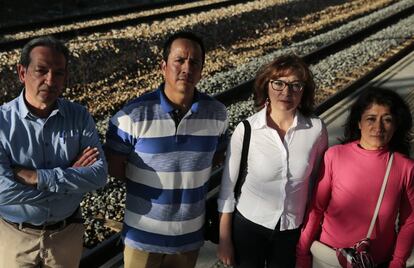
(257, 246)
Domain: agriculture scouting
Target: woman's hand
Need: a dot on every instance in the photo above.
(225, 252)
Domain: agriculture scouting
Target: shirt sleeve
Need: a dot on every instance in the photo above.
(224, 137)
(312, 223)
(405, 238)
(321, 146)
(13, 192)
(77, 179)
(226, 200)
(118, 137)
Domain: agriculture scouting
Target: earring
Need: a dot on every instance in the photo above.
(268, 106)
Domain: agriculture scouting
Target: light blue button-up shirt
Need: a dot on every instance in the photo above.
(49, 146)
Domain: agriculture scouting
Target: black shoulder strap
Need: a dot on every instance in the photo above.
(243, 160)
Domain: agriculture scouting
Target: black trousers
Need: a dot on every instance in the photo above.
(257, 246)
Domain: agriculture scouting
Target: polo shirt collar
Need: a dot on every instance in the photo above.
(166, 105)
(25, 112)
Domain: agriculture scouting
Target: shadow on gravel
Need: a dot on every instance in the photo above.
(103, 62)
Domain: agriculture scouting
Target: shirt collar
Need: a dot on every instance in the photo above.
(25, 112)
(60, 108)
(299, 121)
(166, 105)
(261, 119)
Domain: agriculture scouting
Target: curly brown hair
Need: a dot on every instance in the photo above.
(285, 66)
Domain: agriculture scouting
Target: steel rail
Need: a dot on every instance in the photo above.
(92, 15)
(71, 33)
(244, 89)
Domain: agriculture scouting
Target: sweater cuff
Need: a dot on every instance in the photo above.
(396, 264)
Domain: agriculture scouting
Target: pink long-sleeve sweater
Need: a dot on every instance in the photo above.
(345, 200)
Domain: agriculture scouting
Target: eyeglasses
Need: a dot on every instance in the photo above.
(280, 85)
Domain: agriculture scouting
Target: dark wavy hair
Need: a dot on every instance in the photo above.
(284, 66)
(400, 141)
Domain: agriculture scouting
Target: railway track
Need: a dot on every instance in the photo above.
(243, 91)
(169, 9)
(298, 42)
(251, 31)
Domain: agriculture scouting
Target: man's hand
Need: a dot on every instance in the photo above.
(25, 176)
(87, 157)
(116, 164)
(218, 158)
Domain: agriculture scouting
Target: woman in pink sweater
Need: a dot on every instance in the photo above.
(351, 179)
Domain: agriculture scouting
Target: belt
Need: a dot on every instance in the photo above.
(49, 227)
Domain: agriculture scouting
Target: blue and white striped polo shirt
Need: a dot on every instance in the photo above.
(168, 169)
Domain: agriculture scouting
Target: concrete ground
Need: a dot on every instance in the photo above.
(208, 259)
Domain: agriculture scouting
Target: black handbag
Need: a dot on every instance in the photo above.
(357, 256)
(212, 218)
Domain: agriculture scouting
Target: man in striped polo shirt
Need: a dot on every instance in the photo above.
(164, 143)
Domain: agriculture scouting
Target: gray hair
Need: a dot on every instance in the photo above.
(46, 41)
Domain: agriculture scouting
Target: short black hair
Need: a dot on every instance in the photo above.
(46, 41)
(400, 141)
(183, 35)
